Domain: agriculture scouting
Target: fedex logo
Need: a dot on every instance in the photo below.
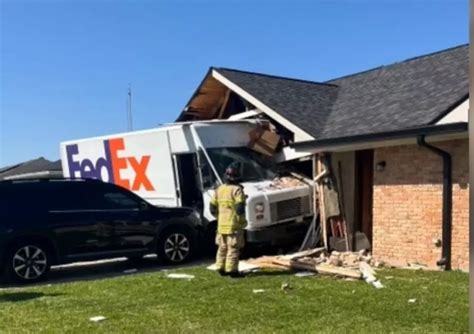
(111, 164)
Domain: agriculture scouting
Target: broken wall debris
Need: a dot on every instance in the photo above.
(352, 265)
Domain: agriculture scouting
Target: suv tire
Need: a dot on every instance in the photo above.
(28, 262)
(176, 245)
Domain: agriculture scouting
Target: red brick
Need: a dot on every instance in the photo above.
(407, 207)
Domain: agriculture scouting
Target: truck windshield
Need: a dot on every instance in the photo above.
(255, 167)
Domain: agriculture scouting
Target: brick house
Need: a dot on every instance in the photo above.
(398, 133)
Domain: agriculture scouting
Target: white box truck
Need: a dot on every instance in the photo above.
(181, 164)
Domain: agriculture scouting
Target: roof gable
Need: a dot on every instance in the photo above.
(305, 104)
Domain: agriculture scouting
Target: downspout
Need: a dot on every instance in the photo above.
(447, 203)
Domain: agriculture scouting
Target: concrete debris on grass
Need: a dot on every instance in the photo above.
(258, 290)
(285, 287)
(98, 318)
(347, 265)
(305, 273)
(130, 271)
(180, 276)
(244, 267)
(416, 266)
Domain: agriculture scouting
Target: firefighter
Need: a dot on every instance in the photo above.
(228, 205)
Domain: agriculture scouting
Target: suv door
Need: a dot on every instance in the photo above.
(70, 219)
(125, 227)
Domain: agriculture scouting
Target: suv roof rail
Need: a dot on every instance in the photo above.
(48, 179)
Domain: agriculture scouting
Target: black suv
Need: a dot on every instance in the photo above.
(48, 222)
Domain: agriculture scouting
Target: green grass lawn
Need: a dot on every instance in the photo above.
(151, 303)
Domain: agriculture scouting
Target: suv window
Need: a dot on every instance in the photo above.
(119, 200)
(66, 196)
(26, 198)
(110, 197)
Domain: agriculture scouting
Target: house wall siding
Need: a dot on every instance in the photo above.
(407, 205)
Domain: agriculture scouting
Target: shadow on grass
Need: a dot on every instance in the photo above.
(92, 271)
(24, 296)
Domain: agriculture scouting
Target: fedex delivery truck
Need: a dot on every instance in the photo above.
(181, 164)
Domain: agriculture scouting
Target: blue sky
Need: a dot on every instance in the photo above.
(65, 66)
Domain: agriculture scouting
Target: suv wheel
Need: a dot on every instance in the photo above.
(28, 262)
(176, 246)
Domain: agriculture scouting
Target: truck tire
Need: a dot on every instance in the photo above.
(28, 262)
(176, 245)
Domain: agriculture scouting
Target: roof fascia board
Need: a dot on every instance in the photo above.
(384, 143)
(245, 114)
(288, 154)
(299, 134)
(373, 138)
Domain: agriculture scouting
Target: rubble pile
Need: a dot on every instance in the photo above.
(349, 265)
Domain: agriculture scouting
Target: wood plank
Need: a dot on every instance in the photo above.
(322, 210)
(308, 252)
(295, 264)
(266, 262)
(224, 104)
(331, 270)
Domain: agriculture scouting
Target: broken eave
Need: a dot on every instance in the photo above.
(208, 101)
(381, 139)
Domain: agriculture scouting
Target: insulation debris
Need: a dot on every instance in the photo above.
(348, 265)
(287, 182)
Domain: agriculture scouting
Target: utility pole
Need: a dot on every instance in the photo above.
(129, 109)
(471, 165)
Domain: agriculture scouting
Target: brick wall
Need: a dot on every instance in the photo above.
(407, 211)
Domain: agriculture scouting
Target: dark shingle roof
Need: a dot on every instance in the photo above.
(32, 166)
(407, 94)
(306, 104)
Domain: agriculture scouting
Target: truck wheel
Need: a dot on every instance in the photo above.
(176, 245)
(28, 262)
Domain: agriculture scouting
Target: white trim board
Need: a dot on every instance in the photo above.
(384, 143)
(300, 135)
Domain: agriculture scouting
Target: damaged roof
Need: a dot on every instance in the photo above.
(407, 94)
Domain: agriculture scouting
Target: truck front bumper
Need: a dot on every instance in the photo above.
(279, 234)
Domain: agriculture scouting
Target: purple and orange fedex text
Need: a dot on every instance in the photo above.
(112, 164)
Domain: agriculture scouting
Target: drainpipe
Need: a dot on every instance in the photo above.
(447, 203)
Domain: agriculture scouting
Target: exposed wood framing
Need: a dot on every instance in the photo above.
(322, 210)
(300, 134)
(224, 104)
